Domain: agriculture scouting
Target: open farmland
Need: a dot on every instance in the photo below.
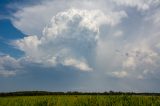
(81, 100)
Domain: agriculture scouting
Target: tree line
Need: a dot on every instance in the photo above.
(41, 93)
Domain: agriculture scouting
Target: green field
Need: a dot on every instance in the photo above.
(80, 100)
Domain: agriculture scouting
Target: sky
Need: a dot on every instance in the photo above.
(87, 45)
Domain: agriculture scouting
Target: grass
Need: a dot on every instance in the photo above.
(80, 100)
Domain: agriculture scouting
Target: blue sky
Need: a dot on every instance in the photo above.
(86, 45)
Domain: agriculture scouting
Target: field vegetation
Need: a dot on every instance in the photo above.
(81, 100)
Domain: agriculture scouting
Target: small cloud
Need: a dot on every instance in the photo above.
(140, 77)
(81, 65)
(118, 33)
(9, 66)
(158, 45)
(120, 74)
(6, 73)
(129, 63)
(141, 5)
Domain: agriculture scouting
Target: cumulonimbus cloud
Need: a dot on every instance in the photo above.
(71, 35)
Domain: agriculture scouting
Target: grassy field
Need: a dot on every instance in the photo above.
(80, 100)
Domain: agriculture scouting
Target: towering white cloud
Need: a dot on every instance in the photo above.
(41, 13)
(70, 38)
(74, 38)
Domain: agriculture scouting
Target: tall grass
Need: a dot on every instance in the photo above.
(80, 100)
